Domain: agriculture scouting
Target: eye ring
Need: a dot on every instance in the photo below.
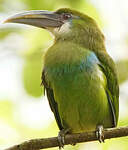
(66, 16)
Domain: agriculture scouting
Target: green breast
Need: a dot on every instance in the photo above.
(79, 87)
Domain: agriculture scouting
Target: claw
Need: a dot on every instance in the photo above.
(61, 137)
(100, 133)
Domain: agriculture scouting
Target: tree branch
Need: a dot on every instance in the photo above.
(37, 144)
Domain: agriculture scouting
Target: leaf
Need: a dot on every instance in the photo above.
(32, 75)
(122, 67)
(5, 32)
(6, 110)
(40, 4)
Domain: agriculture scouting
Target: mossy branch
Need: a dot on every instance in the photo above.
(37, 144)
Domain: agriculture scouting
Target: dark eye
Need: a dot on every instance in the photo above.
(66, 16)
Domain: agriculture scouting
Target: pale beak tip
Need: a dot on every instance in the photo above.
(6, 21)
(9, 20)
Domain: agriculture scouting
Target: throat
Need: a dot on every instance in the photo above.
(64, 29)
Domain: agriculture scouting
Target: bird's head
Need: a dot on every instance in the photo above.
(65, 24)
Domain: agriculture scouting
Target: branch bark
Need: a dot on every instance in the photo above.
(37, 144)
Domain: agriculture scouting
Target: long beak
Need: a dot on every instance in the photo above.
(42, 19)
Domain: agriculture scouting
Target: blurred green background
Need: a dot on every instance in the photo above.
(24, 110)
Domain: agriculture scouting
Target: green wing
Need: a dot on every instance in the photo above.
(52, 103)
(112, 89)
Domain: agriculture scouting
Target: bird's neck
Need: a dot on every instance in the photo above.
(88, 39)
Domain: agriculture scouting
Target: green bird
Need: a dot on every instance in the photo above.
(79, 76)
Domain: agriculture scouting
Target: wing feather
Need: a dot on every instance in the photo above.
(52, 102)
(112, 90)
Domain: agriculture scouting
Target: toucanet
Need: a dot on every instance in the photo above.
(78, 75)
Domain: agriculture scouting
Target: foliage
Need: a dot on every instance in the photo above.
(36, 41)
(122, 70)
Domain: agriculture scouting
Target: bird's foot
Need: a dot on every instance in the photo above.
(61, 137)
(100, 133)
